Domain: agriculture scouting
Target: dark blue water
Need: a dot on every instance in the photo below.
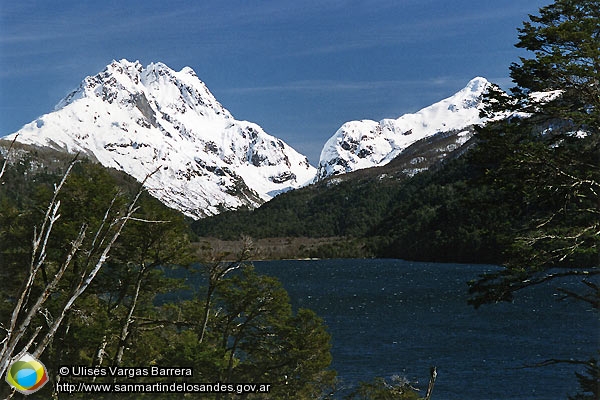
(392, 317)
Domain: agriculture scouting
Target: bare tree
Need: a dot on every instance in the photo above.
(5, 163)
(20, 331)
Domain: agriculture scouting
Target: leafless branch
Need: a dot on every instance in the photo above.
(578, 181)
(3, 169)
(85, 282)
(16, 335)
(38, 255)
(148, 221)
(19, 324)
(592, 298)
(549, 277)
(216, 272)
(151, 321)
(532, 240)
(103, 223)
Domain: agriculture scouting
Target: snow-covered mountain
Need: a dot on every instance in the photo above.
(136, 119)
(363, 144)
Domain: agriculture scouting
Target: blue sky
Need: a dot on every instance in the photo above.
(297, 68)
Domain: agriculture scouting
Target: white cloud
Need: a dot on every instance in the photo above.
(332, 85)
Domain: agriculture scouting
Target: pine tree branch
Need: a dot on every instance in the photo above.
(154, 321)
(554, 361)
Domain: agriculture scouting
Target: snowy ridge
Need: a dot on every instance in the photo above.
(364, 144)
(137, 119)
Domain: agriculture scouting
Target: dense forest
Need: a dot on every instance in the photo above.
(84, 251)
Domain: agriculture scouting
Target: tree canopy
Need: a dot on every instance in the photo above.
(550, 160)
(252, 335)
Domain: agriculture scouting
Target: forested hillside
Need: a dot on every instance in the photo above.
(468, 209)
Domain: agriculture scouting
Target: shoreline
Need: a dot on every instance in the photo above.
(285, 248)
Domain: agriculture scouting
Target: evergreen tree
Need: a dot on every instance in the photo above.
(264, 341)
(550, 160)
(565, 41)
(545, 159)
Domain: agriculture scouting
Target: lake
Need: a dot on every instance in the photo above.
(393, 317)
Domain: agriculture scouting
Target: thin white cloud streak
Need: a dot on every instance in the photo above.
(78, 26)
(313, 85)
(453, 83)
(329, 85)
(196, 17)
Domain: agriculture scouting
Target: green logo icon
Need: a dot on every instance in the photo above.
(27, 375)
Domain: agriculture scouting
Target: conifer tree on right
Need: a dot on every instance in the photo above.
(546, 154)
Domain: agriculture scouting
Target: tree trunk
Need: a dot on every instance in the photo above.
(431, 383)
(129, 319)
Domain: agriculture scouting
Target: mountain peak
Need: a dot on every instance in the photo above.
(477, 85)
(366, 143)
(135, 119)
(130, 68)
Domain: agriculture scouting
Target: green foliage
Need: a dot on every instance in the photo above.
(265, 342)
(552, 171)
(554, 174)
(446, 214)
(323, 210)
(253, 335)
(565, 40)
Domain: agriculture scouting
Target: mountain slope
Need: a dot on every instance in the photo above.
(351, 205)
(140, 120)
(469, 208)
(364, 144)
